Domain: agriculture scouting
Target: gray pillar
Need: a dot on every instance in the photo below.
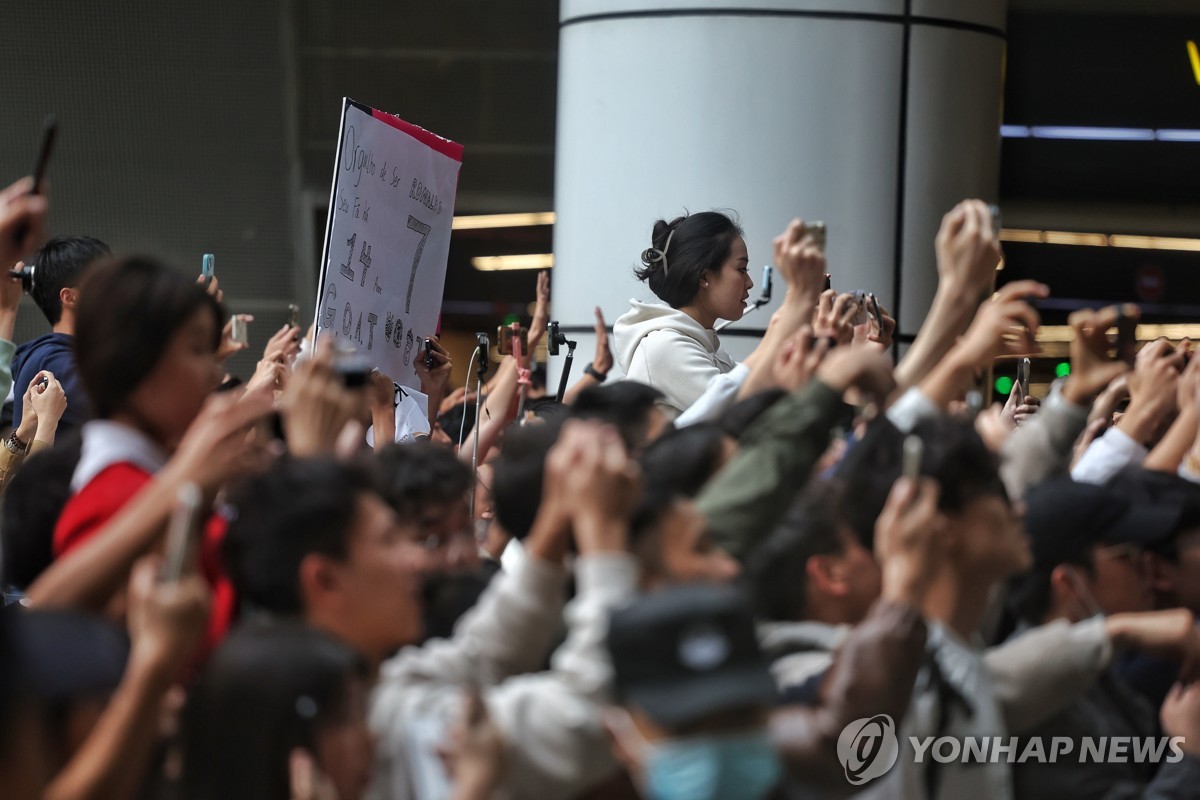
(875, 116)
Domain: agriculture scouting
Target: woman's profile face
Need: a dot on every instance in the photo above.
(170, 397)
(729, 287)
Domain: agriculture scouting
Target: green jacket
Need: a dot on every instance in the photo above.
(750, 496)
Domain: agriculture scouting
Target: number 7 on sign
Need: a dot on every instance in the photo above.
(415, 224)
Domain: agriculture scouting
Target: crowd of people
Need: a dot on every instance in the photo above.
(690, 583)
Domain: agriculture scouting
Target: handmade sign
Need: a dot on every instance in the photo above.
(387, 239)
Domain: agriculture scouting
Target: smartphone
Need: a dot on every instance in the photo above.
(995, 211)
(817, 230)
(768, 273)
(1023, 378)
(914, 453)
(1127, 339)
(49, 133)
(354, 369)
(207, 267)
(429, 354)
(828, 282)
(239, 330)
(876, 312)
(504, 337)
(183, 534)
(293, 315)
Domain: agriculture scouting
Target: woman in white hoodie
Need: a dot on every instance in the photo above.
(699, 267)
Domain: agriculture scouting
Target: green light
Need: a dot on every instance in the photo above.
(511, 318)
(1004, 384)
(1062, 370)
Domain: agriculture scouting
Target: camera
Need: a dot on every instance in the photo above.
(26, 275)
(355, 369)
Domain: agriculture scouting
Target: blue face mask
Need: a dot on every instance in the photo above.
(742, 766)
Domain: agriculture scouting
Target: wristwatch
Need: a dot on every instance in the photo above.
(15, 445)
(599, 376)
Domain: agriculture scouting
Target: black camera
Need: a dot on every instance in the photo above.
(26, 276)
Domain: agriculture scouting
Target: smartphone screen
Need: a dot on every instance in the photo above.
(1127, 339)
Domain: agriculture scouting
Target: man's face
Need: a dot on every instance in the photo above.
(861, 573)
(688, 555)
(992, 543)
(1118, 581)
(1179, 581)
(447, 534)
(377, 589)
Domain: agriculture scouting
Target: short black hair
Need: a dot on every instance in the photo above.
(60, 264)
(298, 507)
(416, 475)
(34, 500)
(271, 687)
(954, 455)
(128, 310)
(777, 571)
(518, 474)
(684, 459)
(626, 405)
(458, 421)
(699, 243)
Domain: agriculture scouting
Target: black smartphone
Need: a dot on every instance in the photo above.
(876, 312)
(49, 133)
(429, 354)
(293, 315)
(1127, 339)
(828, 282)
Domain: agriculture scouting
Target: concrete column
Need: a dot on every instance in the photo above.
(875, 116)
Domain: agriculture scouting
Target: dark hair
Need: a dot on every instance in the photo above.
(518, 474)
(296, 508)
(742, 414)
(268, 689)
(128, 310)
(60, 264)
(776, 573)
(458, 419)
(32, 504)
(414, 476)
(626, 405)
(683, 460)
(954, 455)
(700, 243)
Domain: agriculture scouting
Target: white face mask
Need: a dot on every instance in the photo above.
(743, 765)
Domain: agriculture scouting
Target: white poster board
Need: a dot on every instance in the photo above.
(384, 261)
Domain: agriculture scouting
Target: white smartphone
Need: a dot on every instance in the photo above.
(183, 533)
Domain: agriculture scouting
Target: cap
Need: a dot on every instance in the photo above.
(66, 654)
(688, 652)
(1065, 518)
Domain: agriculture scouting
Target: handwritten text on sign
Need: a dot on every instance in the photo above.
(391, 210)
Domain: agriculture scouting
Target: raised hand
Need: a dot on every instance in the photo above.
(166, 620)
(800, 262)
(602, 362)
(541, 312)
(1091, 368)
(20, 212)
(1153, 388)
(835, 316)
(218, 446)
(49, 404)
(317, 407)
(799, 358)
(967, 248)
(911, 540)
